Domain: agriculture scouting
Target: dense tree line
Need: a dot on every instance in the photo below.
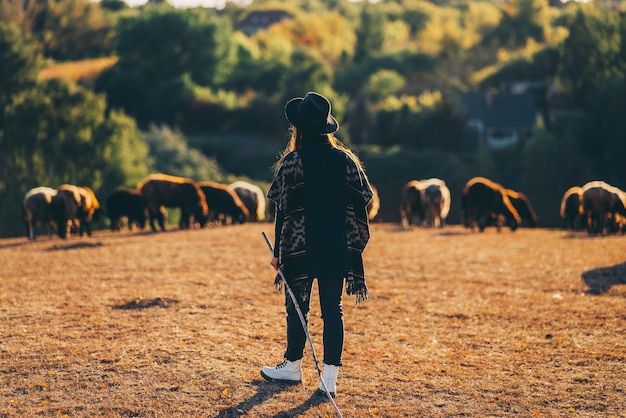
(393, 70)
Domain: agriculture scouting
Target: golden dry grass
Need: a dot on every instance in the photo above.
(178, 324)
(78, 70)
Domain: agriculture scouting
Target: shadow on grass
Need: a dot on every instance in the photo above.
(14, 244)
(75, 245)
(600, 280)
(265, 391)
(314, 400)
(147, 303)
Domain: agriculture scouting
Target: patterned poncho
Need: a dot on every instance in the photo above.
(287, 191)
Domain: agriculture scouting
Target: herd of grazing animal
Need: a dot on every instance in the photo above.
(66, 207)
(596, 206)
(72, 208)
(483, 203)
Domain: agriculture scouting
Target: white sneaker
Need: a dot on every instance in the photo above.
(329, 376)
(285, 372)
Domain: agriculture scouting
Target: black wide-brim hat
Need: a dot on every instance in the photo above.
(311, 114)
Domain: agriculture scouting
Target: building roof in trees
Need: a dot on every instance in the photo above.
(258, 20)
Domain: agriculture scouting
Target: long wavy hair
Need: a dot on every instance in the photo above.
(298, 138)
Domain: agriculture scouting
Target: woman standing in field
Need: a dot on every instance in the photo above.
(321, 229)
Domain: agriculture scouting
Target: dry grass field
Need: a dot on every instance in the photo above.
(178, 324)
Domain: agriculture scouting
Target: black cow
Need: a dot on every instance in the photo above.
(65, 209)
(482, 200)
(411, 210)
(126, 203)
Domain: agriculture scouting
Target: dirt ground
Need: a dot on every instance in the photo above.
(179, 324)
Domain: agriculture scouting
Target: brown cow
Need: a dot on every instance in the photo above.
(126, 203)
(601, 205)
(482, 200)
(571, 208)
(224, 203)
(162, 190)
(253, 197)
(36, 210)
(89, 210)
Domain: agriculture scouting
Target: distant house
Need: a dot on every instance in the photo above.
(499, 119)
(258, 20)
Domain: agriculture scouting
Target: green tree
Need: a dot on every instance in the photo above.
(443, 126)
(73, 29)
(590, 55)
(19, 67)
(170, 154)
(370, 33)
(19, 64)
(521, 20)
(49, 133)
(384, 83)
(59, 132)
(163, 53)
(603, 138)
(126, 158)
(308, 72)
(415, 17)
(164, 43)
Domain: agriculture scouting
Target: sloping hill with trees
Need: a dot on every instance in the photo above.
(395, 71)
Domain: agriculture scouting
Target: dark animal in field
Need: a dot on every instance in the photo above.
(374, 205)
(482, 200)
(521, 203)
(88, 210)
(36, 210)
(435, 202)
(411, 210)
(224, 204)
(603, 206)
(425, 202)
(64, 207)
(126, 203)
(571, 208)
(253, 197)
(162, 190)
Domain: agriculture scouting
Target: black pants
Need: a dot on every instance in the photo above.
(330, 292)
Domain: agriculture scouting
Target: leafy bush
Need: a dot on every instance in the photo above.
(171, 155)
